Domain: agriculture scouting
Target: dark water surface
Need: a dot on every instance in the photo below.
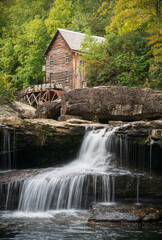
(57, 225)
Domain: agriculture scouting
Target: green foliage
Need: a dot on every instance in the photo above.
(8, 60)
(130, 56)
(130, 16)
(95, 118)
(119, 60)
(155, 76)
(29, 49)
(148, 140)
(90, 15)
(60, 16)
(23, 42)
(6, 88)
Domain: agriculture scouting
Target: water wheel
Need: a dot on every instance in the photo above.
(50, 95)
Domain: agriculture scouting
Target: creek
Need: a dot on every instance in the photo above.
(54, 203)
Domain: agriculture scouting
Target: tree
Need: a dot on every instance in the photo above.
(141, 14)
(8, 60)
(121, 59)
(27, 25)
(91, 14)
(60, 16)
(24, 39)
(29, 48)
(6, 88)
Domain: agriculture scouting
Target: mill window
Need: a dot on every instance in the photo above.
(51, 60)
(67, 58)
(59, 41)
(66, 76)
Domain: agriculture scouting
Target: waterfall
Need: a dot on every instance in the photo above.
(88, 178)
(113, 188)
(138, 183)
(6, 159)
(151, 143)
(8, 149)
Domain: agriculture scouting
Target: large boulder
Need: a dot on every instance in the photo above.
(16, 109)
(23, 110)
(113, 103)
(49, 109)
(7, 111)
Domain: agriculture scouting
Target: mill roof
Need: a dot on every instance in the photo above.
(73, 39)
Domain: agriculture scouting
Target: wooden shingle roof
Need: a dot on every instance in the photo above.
(73, 39)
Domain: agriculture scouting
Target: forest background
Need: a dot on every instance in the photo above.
(130, 56)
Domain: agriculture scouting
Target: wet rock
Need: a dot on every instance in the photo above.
(156, 134)
(152, 217)
(140, 128)
(156, 123)
(116, 217)
(112, 103)
(72, 217)
(124, 214)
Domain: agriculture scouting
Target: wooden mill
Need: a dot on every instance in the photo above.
(64, 68)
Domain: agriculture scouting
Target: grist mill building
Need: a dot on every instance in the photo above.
(63, 64)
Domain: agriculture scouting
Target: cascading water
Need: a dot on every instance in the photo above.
(138, 183)
(7, 156)
(97, 176)
(6, 148)
(89, 178)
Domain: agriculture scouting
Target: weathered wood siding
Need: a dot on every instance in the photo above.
(78, 72)
(59, 70)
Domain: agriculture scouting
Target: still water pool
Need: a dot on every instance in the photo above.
(63, 224)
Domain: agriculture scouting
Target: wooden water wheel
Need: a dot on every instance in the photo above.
(50, 95)
(41, 93)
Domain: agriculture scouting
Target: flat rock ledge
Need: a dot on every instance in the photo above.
(124, 214)
(39, 131)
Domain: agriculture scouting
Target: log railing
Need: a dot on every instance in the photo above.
(41, 87)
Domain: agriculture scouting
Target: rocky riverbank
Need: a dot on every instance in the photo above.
(40, 141)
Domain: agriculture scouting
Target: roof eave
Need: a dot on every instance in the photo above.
(53, 39)
(51, 42)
